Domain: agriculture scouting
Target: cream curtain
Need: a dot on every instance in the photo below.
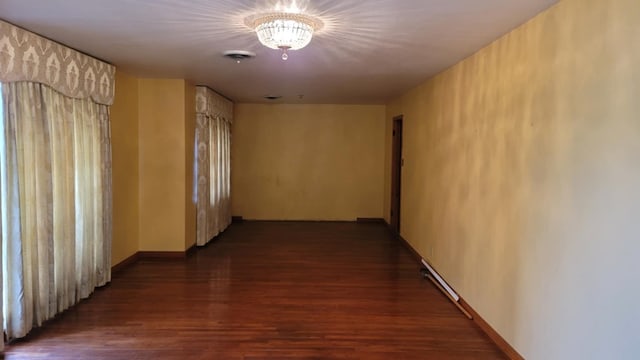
(2, 226)
(55, 197)
(25, 56)
(213, 173)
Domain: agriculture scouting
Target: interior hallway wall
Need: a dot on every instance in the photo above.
(125, 176)
(307, 162)
(520, 183)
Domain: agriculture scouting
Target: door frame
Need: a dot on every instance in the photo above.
(396, 174)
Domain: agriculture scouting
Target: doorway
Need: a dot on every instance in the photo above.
(396, 173)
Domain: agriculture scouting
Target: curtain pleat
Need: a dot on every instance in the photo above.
(213, 167)
(13, 291)
(202, 175)
(55, 202)
(227, 171)
(214, 175)
(103, 269)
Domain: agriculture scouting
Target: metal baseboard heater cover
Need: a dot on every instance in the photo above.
(442, 285)
(441, 281)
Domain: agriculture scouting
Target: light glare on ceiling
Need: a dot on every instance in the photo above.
(284, 30)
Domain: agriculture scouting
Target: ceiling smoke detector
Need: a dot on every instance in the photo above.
(239, 55)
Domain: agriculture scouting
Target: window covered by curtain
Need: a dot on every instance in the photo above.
(55, 201)
(55, 177)
(2, 182)
(213, 164)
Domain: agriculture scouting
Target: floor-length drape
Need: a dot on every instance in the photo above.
(1, 227)
(221, 135)
(55, 197)
(213, 171)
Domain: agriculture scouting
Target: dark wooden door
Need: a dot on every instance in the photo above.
(396, 173)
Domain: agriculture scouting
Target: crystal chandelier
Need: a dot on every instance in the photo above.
(284, 31)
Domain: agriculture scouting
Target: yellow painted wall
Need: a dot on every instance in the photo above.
(521, 180)
(162, 164)
(190, 134)
(307, 162)
(124, 152)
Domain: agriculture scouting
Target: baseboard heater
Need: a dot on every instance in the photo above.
(442, 285)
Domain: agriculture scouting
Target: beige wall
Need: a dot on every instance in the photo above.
(124, 148)
(163, 165)
(153, 131)
(307, 162)
(521, 180)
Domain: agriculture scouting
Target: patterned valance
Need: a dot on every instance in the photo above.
(25, 56)
(210, 103)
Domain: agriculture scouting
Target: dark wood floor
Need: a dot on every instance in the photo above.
(268, 290)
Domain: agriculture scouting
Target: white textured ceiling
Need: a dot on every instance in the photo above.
(368, 52)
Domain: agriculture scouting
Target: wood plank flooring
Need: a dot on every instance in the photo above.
(268, 290)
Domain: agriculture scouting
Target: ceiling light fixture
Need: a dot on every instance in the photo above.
(283, 30)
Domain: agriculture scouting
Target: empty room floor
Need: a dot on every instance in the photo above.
(268, 290)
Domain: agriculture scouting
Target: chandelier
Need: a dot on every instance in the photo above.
(284, 31)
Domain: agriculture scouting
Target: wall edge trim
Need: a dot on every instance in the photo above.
(370, 220)
(489, 331)
(190, 251)
(119, 267)
(294, 220)
(151, 255)
(497, 339)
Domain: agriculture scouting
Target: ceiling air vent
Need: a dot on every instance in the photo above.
(272, 97)
(239, 55)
